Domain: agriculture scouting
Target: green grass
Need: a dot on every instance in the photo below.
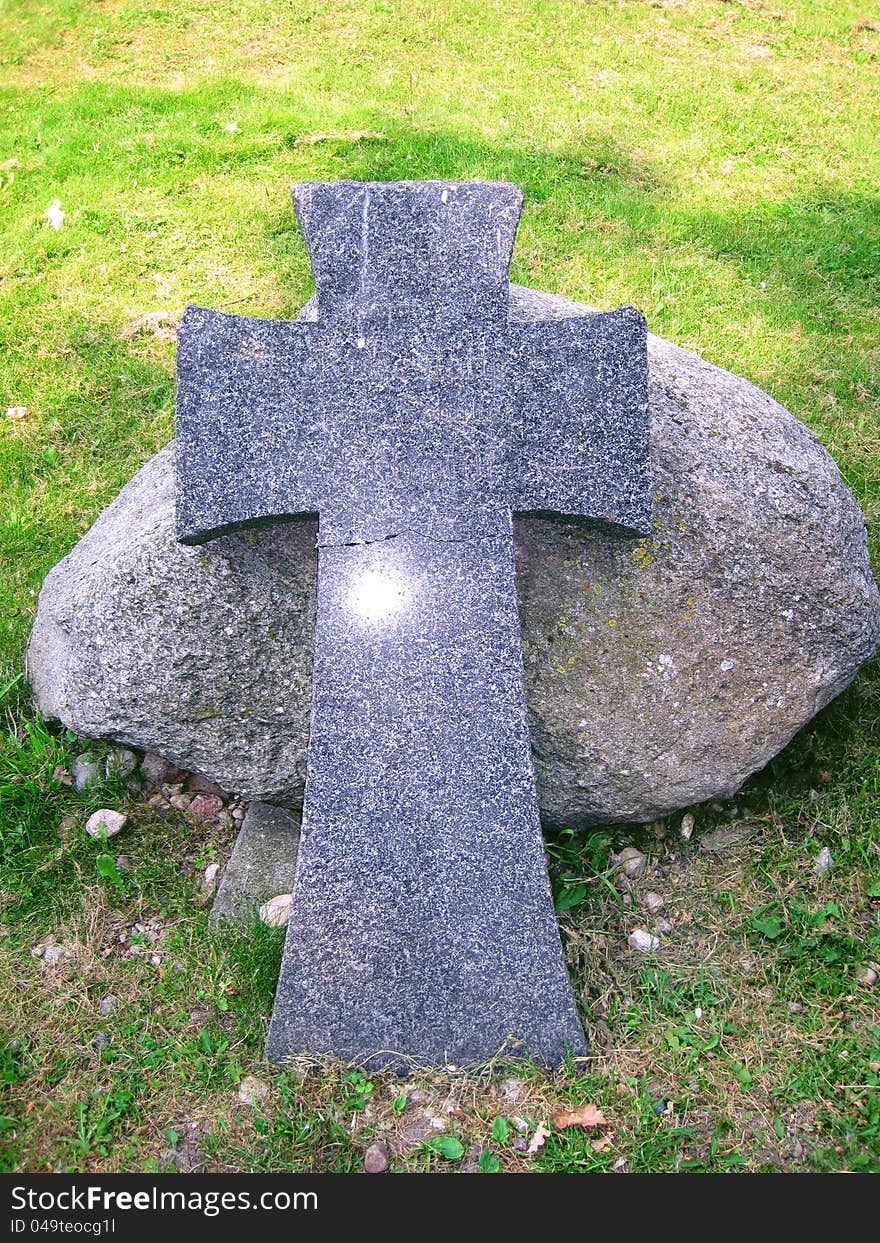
(713, 163)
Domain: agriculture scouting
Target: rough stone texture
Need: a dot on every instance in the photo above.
(749, 608)
(262, 864)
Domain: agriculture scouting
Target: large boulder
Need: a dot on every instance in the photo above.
(659, 672)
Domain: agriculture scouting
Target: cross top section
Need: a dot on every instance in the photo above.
(408, 397)
(430, 252)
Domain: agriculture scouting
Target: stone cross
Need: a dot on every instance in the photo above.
(411, 414)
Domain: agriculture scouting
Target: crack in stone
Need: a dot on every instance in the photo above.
(433, 539)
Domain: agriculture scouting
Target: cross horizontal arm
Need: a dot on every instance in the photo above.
(580, 386)
(247, 438)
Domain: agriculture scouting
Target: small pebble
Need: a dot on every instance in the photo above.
(868, 977)
(653, 902)
(99, 1042)
(632, 861)
(252, 1090)
(276, 912)
(86, 771)
(663, 925)
(687, 826)
(206, 806)
(105, 823)
(158, 770)
(794, 1007)
(53, 954)
(211, 873)
(377, 1158)
(107, 1005)
(121, 763)
(643, 941)
(180, 802)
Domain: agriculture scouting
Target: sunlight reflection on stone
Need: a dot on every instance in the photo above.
(376, 596)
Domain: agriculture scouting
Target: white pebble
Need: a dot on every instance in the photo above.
(105, 823)
(643, 941)
(276, 912)
(687, 826)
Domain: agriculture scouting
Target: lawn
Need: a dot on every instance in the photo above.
(715, 164)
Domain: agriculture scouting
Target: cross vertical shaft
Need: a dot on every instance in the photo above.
(422, 898)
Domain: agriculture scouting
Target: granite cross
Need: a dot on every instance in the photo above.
(413, 415)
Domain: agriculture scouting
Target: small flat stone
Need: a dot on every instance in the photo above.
(206, 806)
(377, 1158)
(197, 784)
(105, 823)
(643, 941)
(262, 864)
(107, 1005)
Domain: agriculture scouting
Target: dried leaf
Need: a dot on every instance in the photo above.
(17, 413)
(585, 1115)
(603, 1142)
(539, 1138)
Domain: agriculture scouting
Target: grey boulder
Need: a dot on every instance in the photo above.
(660, 671)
